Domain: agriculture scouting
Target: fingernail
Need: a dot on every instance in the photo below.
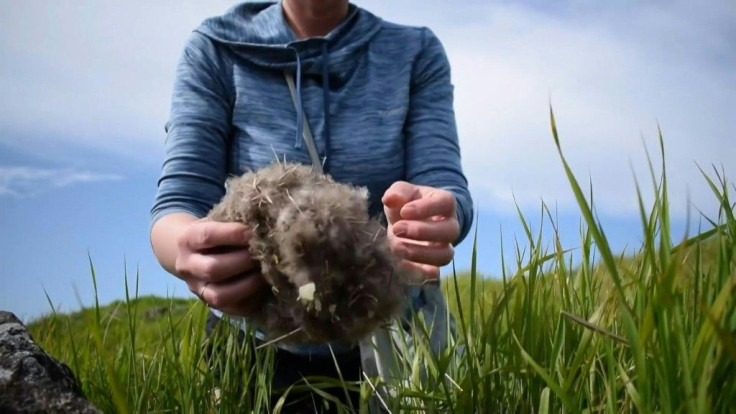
(408, 211)
(400, 230)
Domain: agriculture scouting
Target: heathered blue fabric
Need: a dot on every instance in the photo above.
(390, 108)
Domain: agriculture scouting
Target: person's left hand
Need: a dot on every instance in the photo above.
(422, 226)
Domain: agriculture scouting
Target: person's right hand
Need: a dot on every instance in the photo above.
(213, 259)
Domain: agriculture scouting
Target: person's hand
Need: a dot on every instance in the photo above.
(213, 259)
(422, 226)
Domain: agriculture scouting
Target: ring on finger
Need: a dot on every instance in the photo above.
(201, 292)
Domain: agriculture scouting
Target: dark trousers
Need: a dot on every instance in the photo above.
(292, 368)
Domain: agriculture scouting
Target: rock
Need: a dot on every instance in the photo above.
(155, 312)
(159, 311)
(31, 381)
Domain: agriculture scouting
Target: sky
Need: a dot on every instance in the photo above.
(85, 88)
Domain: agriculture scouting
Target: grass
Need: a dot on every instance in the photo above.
(654, 332)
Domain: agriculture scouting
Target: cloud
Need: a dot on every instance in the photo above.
(27, 181)
(98, 74)
(611, 74)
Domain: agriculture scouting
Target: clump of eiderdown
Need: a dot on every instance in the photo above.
(332, 276)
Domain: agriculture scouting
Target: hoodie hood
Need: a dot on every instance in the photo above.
(259, 33)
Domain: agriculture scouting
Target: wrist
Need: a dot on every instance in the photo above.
(165, 235)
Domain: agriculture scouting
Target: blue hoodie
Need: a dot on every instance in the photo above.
(376, 95)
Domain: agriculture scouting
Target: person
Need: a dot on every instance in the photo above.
(378, 99)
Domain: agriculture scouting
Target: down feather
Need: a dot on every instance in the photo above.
(332, 276)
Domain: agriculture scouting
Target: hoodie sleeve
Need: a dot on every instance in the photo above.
(195, 162)
(432, 149)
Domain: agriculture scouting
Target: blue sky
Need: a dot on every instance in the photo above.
(85, 88)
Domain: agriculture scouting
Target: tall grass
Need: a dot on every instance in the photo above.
(653, 332)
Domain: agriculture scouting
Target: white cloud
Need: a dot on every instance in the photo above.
(608, 89)
(95, 73)
(27, 181)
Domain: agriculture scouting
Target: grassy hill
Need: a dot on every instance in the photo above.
(547, 338)
(651, 333)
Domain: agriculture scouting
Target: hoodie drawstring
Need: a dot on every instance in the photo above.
(325, 102)
(298, 101)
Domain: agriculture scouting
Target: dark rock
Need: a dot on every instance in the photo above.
(159, 311)
(155, 312)
(31, 381)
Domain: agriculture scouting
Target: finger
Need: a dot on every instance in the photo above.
(208, 234)
(434, 254)
(434, 203)
(400, 193)
(396, 196)
(228, 294)
(216, 267)
(430, 274)
(443, 231)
